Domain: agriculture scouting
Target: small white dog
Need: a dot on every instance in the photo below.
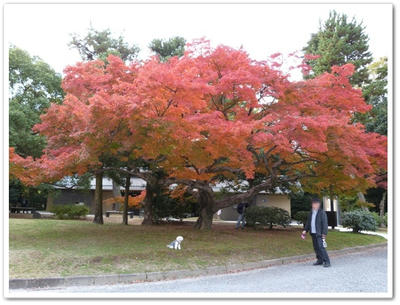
(176, 244)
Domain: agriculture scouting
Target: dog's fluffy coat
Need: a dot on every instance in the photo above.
(176, 244)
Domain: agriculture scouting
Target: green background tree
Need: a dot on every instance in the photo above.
(340, 41)
(98, 44)
(375, 94)
(165, 49)
(33, 85)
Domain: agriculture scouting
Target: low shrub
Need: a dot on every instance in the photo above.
(267, 216)
(281, 217)
(380, 220)
(70, 211)
(301, 217)
(359, 220)
(254, 215)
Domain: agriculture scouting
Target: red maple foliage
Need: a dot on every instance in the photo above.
(211, 116)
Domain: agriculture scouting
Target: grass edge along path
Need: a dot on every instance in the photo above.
(113, 279)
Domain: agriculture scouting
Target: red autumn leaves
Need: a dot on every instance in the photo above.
(208, 116)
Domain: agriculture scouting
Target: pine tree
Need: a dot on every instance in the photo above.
(99, 44)
(375, 94)
(166, 49)
(340, 41)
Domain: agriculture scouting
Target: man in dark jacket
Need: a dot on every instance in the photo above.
(241, 220)
(317, 225)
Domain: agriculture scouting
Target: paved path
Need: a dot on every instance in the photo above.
(359, 272)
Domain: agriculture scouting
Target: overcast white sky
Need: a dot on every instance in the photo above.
(263, 29)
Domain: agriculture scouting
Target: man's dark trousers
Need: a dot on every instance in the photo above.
(320, 251)
(321, 228)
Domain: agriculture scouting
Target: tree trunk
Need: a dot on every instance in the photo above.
(382, 204)
(126, 200)
(147, 208)
(331, 201)
(382, 207)
(98, 199)
(116, 189)
(206, 202)
(151, 192)
(50, 201)
(361, 197)
(208, 205)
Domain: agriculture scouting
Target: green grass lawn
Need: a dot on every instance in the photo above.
(44, 247)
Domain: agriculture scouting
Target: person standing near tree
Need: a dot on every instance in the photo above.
(241, 208)
(317, 225)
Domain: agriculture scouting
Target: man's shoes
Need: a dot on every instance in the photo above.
(326, 265)
(317, 263)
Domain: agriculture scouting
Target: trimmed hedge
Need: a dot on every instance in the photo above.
(266, 216)
(301, 217)
(70, 211)
(359, 220)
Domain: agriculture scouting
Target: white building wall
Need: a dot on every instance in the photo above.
(327, 204)
(327, 207)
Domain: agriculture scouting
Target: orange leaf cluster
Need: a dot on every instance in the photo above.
(133, 201)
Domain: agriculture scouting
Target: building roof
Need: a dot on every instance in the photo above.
(138, 184)
(242, 187)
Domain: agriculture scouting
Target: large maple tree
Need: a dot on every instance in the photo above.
(256, 121)
(211, 116)
(85, 131)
